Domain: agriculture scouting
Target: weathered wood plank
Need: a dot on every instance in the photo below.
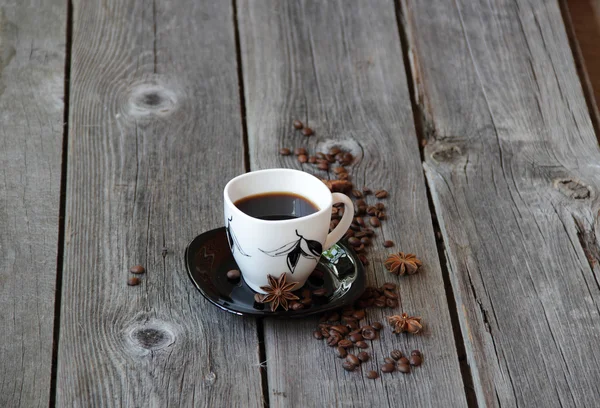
(155, 133)
(338, 67)
(513, 164)
(32, 66)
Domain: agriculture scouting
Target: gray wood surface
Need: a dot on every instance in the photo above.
(338, 67)
(32, 64)
(513, 164)
(155, 133)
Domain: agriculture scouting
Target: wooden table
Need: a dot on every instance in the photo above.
(121, 121)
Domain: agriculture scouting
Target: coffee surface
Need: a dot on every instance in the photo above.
(276, 206)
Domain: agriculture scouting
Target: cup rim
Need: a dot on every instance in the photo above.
(237, 211)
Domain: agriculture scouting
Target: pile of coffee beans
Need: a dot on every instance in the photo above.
(136, 270)
(398, 362)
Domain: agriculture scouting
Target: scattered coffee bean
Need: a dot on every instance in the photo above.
(298, 124)
(389, 286)
(133, 281)
(325, 333)
(404, 368)
(396, 354)
(307, 131)
(137, 269)
(360, 234)
(306, 302)
(381, 194)
(334, 150)
(320, 292)
(372, 375)
(357, 194)
(415, 361)
(259, 297)
(303, 158)
(388, 360)
(345, 343)
(360, 210)
(363, 356)
(388, 244)
(403, 360)
(312, 159)
(358, 314)
(352, 359)
(369, 232)
(371, 210)
(374, 221)
(347, 158)
(380, 206)
(360, 221)
(300, 150)
(377, 326)
(233, 274)
(356, 337)
(389, 294)
(352, 324)
(366, 191)
(330, 158)
(296, 306)
(348, 366)
(365, 240)
(361, 344)
(391, 303)
(363, 259)
(320, 155)
(379, 303)
(317, 335)
(360, 248)
(340, 329)
(323, 166)
(340, 352)
(388, 368)
(415, 353)
(284, 151)
(381, 215)
(339, 170)
(354, 241)
(369, 333)
(333, 340)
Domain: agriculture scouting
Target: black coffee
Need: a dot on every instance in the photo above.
(276, 206)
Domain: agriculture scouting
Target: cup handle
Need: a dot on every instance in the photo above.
(339, 231)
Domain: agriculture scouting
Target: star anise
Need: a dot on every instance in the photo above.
(279, 292)
(401, 263)
(405, 323)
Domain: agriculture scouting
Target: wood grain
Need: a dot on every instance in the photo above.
(155, 133)
(337, 66)
(512, 162)
(32, 65)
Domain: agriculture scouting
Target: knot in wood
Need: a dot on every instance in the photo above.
(152, 337)
(573, 189)
(149, 99)
(448, 154)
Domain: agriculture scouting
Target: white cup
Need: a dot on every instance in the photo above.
(294, 246)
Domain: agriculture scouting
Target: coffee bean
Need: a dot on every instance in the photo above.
(320, 292)
(379, 303)
(363, 356)
(340, 329)
(306, 302)
(389, 294)
(367, 191)
(298, 124)
(352, 324)
(259, 297)
(415, 353)
(333, 340)
(377, 326)
(300, 150)
(348, 157)
(381, 215)
(380, 206)
(372, 375)
(317, 335)
(357, 194)
(388, 243)
(359, 314)
(404, 368)
(374, 221)
(360, 248)
(325, 333)
(233, 274)
(348, 366)
(381, 194)
(334, 317)
(363, 259)
(360, 221)
(340, 352)
(307, 131)
(396, 354)
(312, 159)
(345, 343)
(334, 150)
(339, 170)
(361, 202)
(361, 344)
(403, 360)
(356, 337)
(320, 155)
(137, 269)
(349, 234)
(371, 210)
(303, 158)
(354, 226)
(389, 286)
(388, 368)
(323, 166)
(354, 241)
(391, 303)
(352, 359)
(360, 234)
(388, 360)
(339, 157)
(330, 158)
(133, 281)
(369, 232)
(284, 151)
(365, 240)
(369, 333)
(360, 210)
(415, 361)
(296, 306)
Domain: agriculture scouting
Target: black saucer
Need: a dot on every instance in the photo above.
(208, 258)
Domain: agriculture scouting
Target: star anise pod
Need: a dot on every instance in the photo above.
(405, 323)
(279, 292)
(401, 263)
